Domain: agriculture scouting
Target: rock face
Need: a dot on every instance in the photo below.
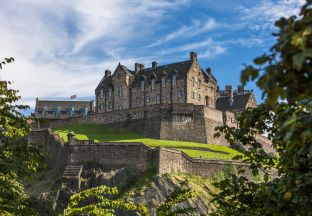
(146, 188)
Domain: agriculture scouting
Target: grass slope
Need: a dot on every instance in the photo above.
(101, 133)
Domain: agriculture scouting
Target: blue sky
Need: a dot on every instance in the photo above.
(63, 47)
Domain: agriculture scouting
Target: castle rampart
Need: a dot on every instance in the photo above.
(184, 122)
(112, 155)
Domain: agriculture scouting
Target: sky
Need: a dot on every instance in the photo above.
(62, 47)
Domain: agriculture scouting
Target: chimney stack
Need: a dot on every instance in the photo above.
(107, 73)
(138, 67)
(228, 89)
(193, 56)
(154, 64)
(240, 89)
(208, 70)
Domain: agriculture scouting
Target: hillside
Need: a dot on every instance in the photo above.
(101, 133)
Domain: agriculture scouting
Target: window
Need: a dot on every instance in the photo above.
(199, 97)
(168, 96)
(153, 84)
(147, 99)
(142, 85)
(179, 93)
(119, 91)
(193, 95)
(117, 106)
(163, 81)
(101, 96)
(109, 92)
(207, 101)
(110, 105)
(193, 81)
(138, 101)
(157, 98)
(199, 83)
(174, 79)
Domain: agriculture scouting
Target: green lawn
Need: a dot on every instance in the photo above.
(107, 134)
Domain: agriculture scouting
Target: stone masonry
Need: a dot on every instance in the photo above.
(111, 155)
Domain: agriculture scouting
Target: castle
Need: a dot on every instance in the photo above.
(178, 101)
(177, 83)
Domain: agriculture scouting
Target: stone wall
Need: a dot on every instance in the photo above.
(183, 122)
(112, 155)
(117, 155)
(171, 160)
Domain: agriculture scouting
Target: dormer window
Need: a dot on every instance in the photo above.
(153, 84)
(174, 79)
(142, 85)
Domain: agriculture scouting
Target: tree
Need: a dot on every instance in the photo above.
(17, 159)
(285, 77)
(100, 201)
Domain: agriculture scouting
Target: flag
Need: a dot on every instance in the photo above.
(73, 96)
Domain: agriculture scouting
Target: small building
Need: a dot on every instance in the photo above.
(235, 100)
(53, 109)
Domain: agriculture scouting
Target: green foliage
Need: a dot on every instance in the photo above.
(169, 207)
(284, 75)
(100, 204)
(107, 134)
(100, 201)
(16, 158)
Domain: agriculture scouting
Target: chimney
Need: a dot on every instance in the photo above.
(138, 67)
(208, 70)
(240, 89)
(193, 56)
(231, 97)
(107, 73)
(228, 89)
(154, 64)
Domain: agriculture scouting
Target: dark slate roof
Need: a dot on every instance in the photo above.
(240, 102)
(179, 68)
(51, 104)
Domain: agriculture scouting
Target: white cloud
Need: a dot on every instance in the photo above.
(185, 31)
(50, 40)
(264, 13)
(210, 47)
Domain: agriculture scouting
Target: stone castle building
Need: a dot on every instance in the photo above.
(182, 82)
(178, 101)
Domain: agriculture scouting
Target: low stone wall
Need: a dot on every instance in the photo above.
(114, 155)
(171, 160)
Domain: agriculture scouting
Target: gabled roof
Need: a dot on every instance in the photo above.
(239, 102)
(107, 82)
